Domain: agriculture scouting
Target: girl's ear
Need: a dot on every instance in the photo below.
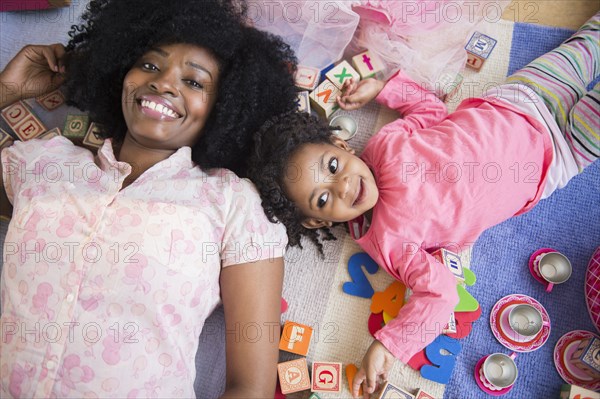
(338, 142)
(313, 223)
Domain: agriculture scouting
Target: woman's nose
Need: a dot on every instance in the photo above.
(163, 83)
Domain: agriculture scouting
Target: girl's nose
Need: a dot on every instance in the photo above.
(343, 186)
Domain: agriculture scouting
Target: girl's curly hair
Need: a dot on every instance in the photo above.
(256, 68)
(275, 143)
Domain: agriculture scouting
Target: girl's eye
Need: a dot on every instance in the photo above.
(333, 165)
(194, 84)
(150, 67)
(322, 200)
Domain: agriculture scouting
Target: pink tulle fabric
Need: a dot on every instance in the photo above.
(424, 38)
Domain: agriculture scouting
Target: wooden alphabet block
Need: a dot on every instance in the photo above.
(293, 376)
(366, 64)
(76, 126)
(451, 261)
(92, 137)
(4, 137)
(303, 101)
(391, 391)
(479, 48)
(314, 396)
(295, 338)
(28, 128)
(421, 394)
(474, 61)
(587, 356)
(464, 323)
(307, 78)
(568, 391)
(451, 327)
(448, 86)
(15, 113)
(323, 99)
(326, 377)
(325, 70)
(341, 73)
(49, 134)
(51, 100)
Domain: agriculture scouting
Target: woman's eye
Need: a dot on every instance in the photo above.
(195, 84)
(333, 165)
(150, 67)
(322, 200)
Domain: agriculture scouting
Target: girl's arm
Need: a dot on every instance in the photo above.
(420, 108)
(251, 296)
(418, 322)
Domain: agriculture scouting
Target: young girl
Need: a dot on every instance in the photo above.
(113, 261)
(432, 180)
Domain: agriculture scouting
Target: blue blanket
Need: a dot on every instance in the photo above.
(568, 221)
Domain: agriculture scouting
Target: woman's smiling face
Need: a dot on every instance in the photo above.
(168, 95)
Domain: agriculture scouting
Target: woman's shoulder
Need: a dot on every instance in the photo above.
(58, 146)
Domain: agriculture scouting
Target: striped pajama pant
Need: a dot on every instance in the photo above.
(561, 78)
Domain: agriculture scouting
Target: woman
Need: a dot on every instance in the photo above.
(178, 87)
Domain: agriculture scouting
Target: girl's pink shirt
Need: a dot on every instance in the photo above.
(443, 179)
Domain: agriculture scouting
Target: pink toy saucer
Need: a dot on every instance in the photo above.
(534, 259)
(592, 288)
(566, 345)
(489, 389)
(502, 331)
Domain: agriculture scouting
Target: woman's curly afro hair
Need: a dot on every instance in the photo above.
(276, 142)
(256, 69)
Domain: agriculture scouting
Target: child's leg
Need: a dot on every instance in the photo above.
(560, 78)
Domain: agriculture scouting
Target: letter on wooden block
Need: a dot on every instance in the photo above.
(323, 99)
(341, 73)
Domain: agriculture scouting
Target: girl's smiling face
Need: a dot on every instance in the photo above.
(168, 95)
(329, 184)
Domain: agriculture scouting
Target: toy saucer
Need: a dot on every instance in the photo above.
(501, 330)
(489, 389)
(592, 288)
(533, 261)
(566, 345)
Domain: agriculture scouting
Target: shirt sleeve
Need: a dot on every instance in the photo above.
(420, 108)
(248, 235)
(18, 166)
(428, 309)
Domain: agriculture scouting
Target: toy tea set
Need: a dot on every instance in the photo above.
(522, 324)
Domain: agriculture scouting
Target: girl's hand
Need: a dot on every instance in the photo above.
(377, 362)
(355, 95)
(35, 70)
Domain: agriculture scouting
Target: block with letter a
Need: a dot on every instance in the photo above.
(323, 99)
(293, 376)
